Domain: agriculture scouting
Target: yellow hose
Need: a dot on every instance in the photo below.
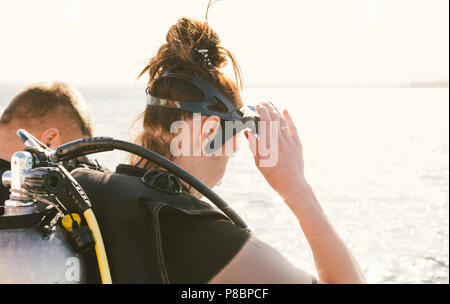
(99, 246)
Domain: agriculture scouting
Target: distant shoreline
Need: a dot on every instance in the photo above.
(411, 84)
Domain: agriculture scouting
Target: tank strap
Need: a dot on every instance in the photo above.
(20, 221)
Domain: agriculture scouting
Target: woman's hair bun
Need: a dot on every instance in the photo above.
(193, 42)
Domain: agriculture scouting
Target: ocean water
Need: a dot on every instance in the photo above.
(378, 160)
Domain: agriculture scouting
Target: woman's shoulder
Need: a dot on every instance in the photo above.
(259, 263)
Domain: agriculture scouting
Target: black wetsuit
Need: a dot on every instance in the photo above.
(157, 237)
(4, 191)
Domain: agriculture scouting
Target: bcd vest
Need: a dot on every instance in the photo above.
(153, 236)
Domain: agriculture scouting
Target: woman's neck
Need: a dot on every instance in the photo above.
(201, 168)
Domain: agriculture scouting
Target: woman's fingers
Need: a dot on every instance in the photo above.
(272, 111)
(278, 122)
(284, 129)
(264, 130)
(287, 129)
(292, 128)
(274, 127)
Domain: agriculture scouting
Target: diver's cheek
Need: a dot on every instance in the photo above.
(233, 145)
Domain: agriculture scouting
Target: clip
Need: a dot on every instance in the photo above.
(205, 54)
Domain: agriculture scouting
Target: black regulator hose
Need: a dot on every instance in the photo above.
(93, 145)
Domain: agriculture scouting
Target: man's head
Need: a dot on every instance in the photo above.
(53, 112)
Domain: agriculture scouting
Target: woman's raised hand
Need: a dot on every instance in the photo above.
(278, 151)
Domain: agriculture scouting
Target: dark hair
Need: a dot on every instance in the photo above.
(49, 102)
(180, 53)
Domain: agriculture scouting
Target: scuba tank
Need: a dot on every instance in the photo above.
(26, 256)
(33, 249)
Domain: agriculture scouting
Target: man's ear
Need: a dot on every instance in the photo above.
(51, 137)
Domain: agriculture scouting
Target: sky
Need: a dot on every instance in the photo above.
(305, 43)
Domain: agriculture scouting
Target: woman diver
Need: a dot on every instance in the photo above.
(158, 234)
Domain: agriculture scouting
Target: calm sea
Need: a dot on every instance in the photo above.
(378, 160)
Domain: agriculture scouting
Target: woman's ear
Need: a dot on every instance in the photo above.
(210, 128)
(51, 138)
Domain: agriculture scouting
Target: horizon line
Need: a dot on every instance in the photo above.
(444, 84)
